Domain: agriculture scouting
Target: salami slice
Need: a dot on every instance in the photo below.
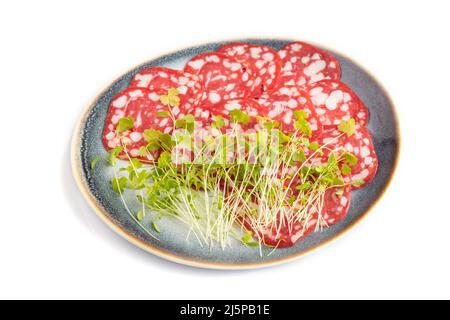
(223, 78)
(159, 78)
(142, 105)
(335, 101)
(282, 235)
(335, 206)
(264, 60)
(280, 106)
(303, 64)
(248, 106)
(359, 144)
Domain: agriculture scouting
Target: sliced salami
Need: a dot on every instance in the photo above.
(280, 106)
(264, 60)
(335, 206)
(282, 235)
(304, 64)
(159, 78)
(142, 105)
(335, 101)
(223, 78)
(359, 144)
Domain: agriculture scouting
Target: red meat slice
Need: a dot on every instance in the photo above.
(142, 105)
(305, 64)
(335, 101)
(264, 60)
(359, 144)
(159, 78)
(223, 78)
(280, 105)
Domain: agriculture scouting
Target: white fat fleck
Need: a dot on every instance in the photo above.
(138, 121)
(296, 47)
(239, 49)
(368, 160)
(135, 136)
(361, 176)
(366, 141)
(120, 102)
(334, 98)
(134, 152)
(313, 126)
(163, 74)
(167, 130)
(305, 59)
(347, 97)
(196, 64)
(327, 140)
(205, 114)
(110, 136)
(268, 56)
(361, 115)
(175, 111)
(230, 87)
(272, 69)
(233, 105)
(332, 65)
(292, 103)
(344, 107)
(320, 111)
(111, 144)
(153, 96)
(259, 64)
(214, 97)
(365, 151)
(314, 68)
(319, 99)
(183, 80)
(126, 140)
(348, 147)
(115, 119)
(245, 77)
(287, 66)
(255, 53)
(288, 117)
(164, 122)
(143, 79)
(182, 89)
(315, 56)
(282, 53)
(343, 201)
(235, 66)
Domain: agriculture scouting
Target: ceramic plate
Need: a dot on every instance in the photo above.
(172, 244)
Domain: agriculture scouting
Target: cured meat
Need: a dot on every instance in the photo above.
(247, 106)
(264, 60)
(335, 206)
(223, 78)
(335, 101)
(281, 236)
(159, 78)
(359, 144)
(281, 104)
(142, 105)
(304, 64)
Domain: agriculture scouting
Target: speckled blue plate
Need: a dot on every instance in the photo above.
(172, 244)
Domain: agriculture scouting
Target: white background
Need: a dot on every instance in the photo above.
(56, 56)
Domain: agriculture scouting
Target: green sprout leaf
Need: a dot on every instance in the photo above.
(119, 184)
(125, 124)
(238, 116)
(346, 170)
(140, 215)
(219, 122)
(163, 114)
(357, 182)
(171, 99)
(156, 227)
(347, 127)
(350, 158)
(95, 161)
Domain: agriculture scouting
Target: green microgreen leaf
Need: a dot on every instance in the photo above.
(346, 170)
(140, 215)
(171, 99)
(357, 182)
(347, 127)
(156, 227)
(238, 116)
(125, 124)
(119, 184)
(163, 114)
(218, 122)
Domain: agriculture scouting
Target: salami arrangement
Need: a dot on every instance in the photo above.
(247, 89)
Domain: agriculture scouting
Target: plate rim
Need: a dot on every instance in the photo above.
(201, 263)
